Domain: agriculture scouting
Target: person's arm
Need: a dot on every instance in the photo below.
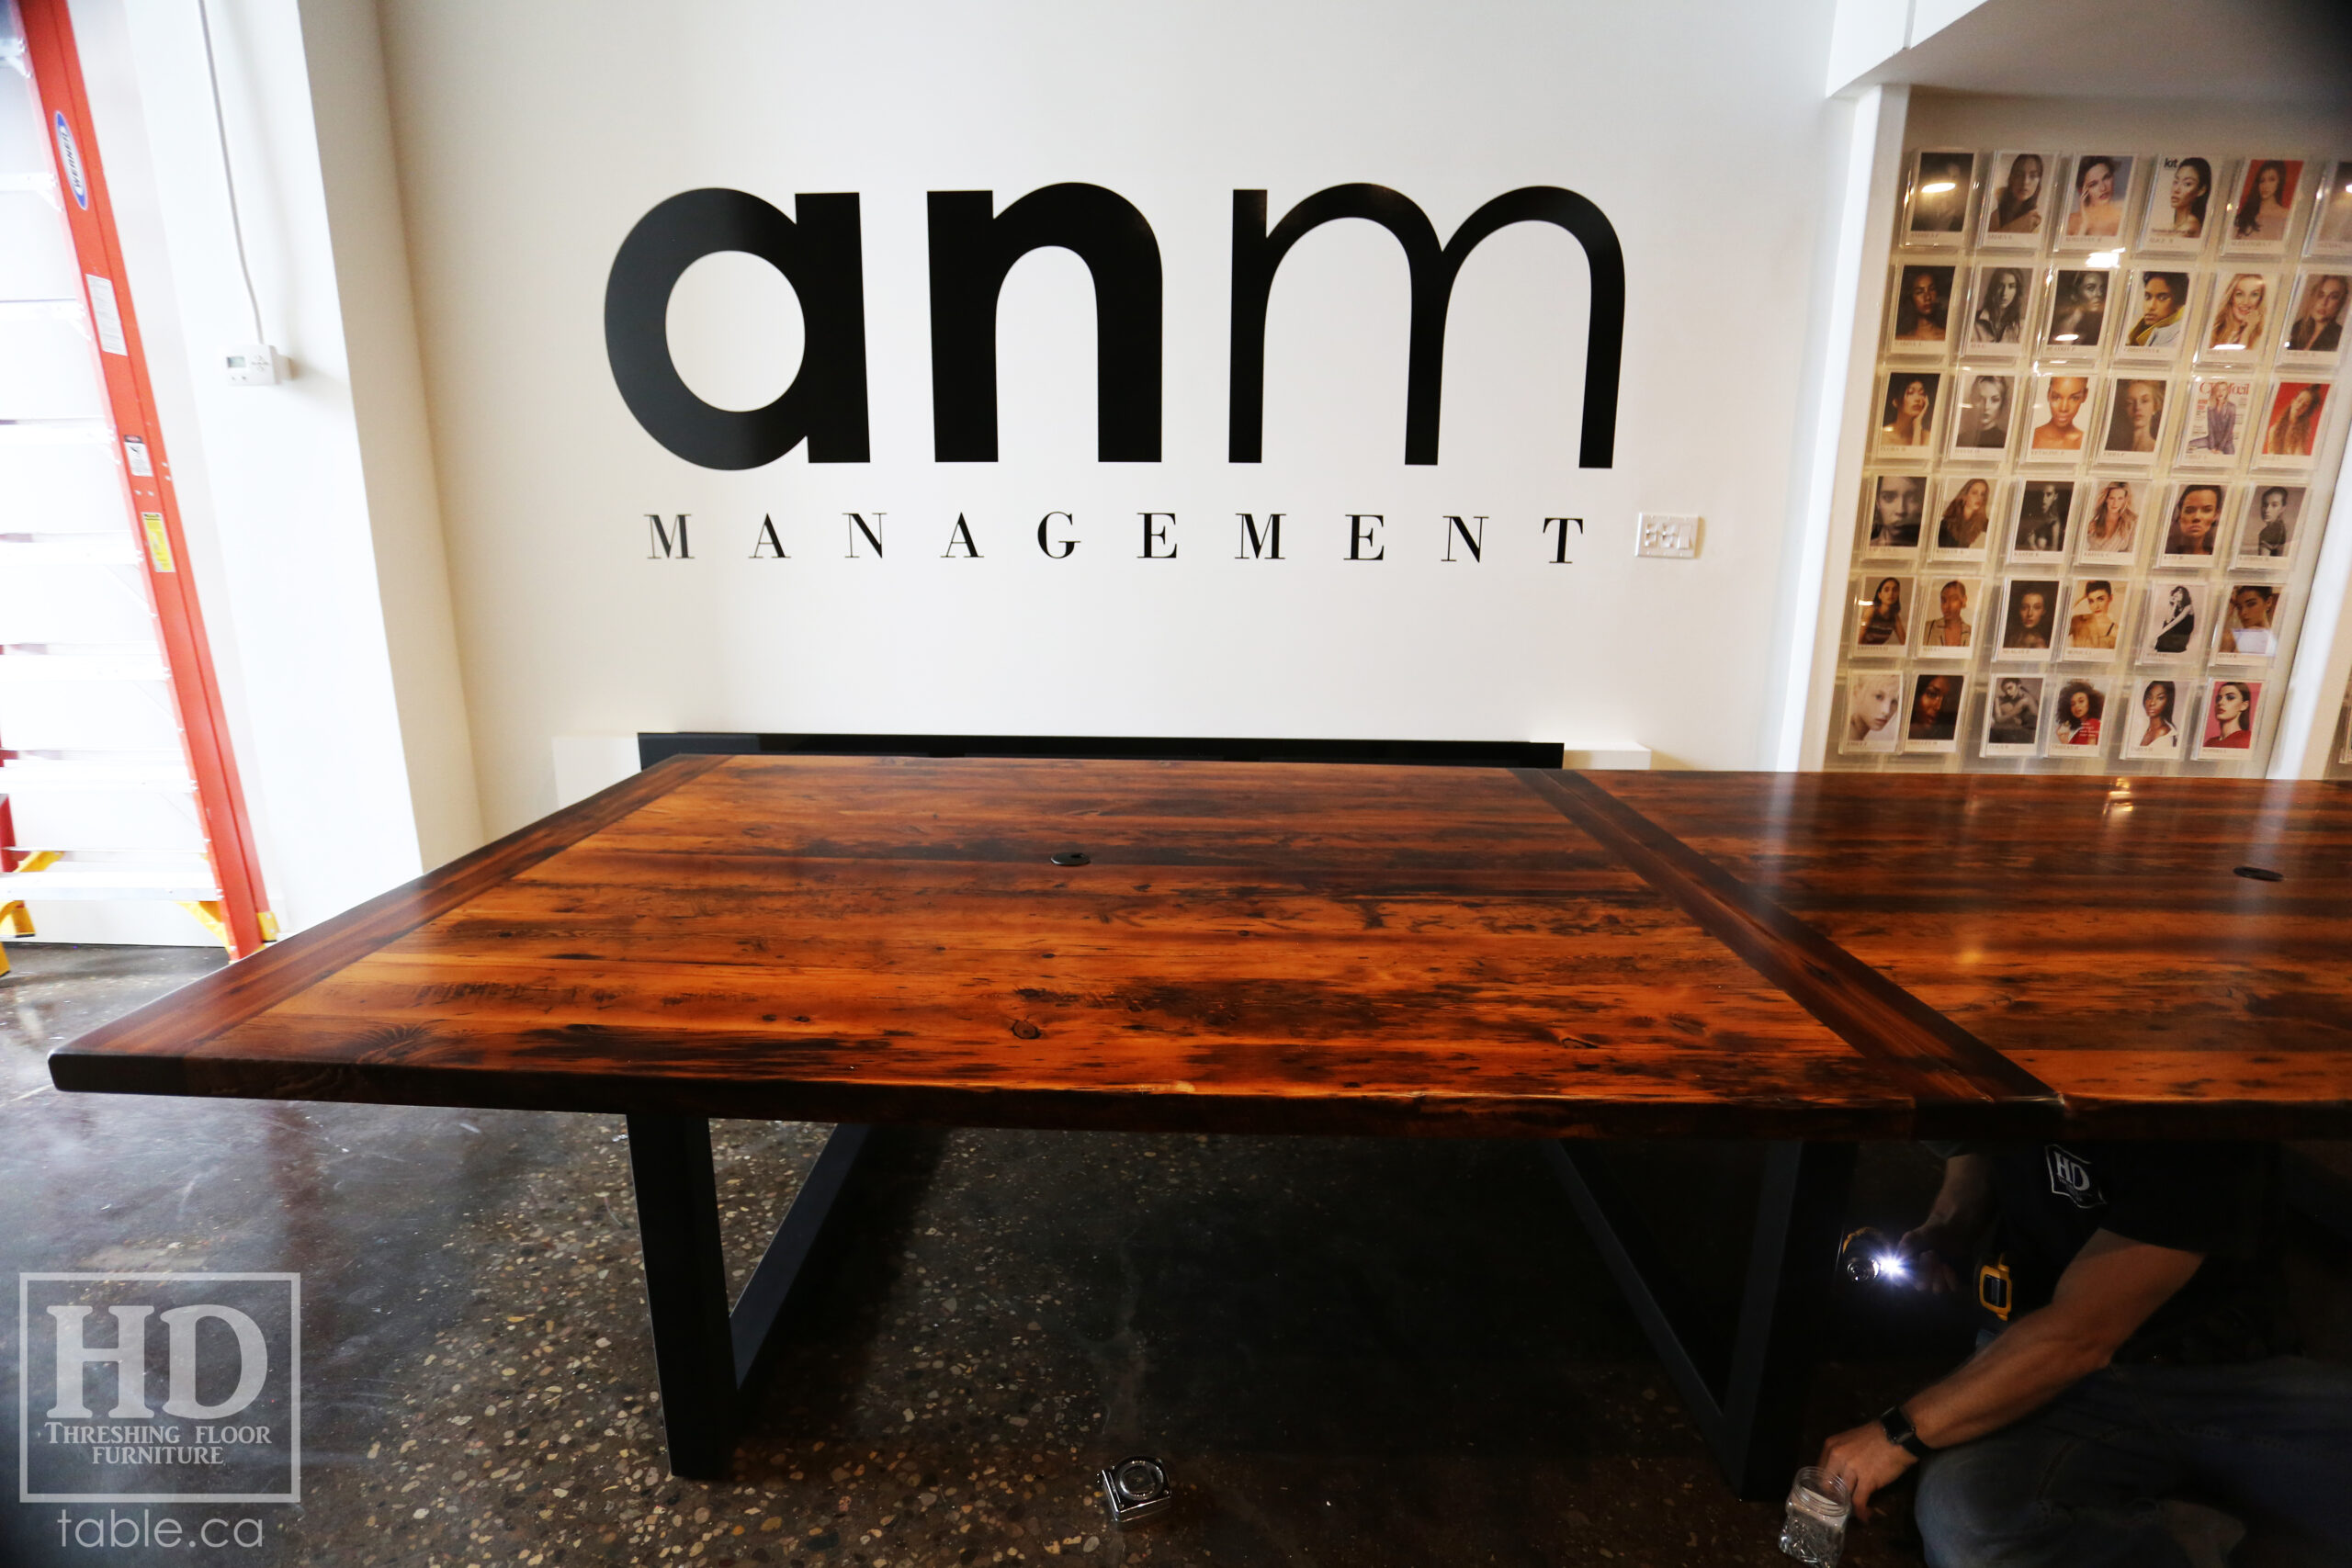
(2107, 1292)
(1955, 1224)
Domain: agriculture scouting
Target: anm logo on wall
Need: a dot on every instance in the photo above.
(973, 248)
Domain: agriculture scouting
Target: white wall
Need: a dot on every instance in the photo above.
(531, 138)
(355, 772)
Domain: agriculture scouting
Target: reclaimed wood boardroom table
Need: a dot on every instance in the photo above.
(1807, 961)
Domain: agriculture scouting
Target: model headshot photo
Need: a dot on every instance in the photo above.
(2135, 422)
(1967, 518)
(2296, 410)
(2043, 508)
(1935, 713)
(1879, 623)
(1940, 195)
(1981, 423)
(2013, 202)
(2249, 622)
(2032, 606)
(2173, 610)
(2013, 715)
(2266, 202)
(2095, 201)
(2091, 615)
(1894, 505)
(2218, 419)
(1949, 631)
(2332, 226)
(2081, 712)
(2078, 308)
(2161, 301)
(2241, 315)
(2268, 531)
(2196, 520)
(2153, 730)
(2113, 529)
(2182, 193)
(1909, 411)
(2058, 408)
(1997, 320)
(2229, 716)
(2316, 324)
(1871, 702)
(1923, 305)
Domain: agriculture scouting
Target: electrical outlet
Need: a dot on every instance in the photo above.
(1669, 534)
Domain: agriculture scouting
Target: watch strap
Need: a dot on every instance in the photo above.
(1901, 1433)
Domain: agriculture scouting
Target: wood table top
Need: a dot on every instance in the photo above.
(1295, 947)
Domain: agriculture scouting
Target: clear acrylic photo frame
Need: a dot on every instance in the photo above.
(1956, 690)
(2026, 493)
(1948, 488)
(2179, 510)
(1868, 543)
(2216, 350)
(2275, 400)
(2153, 239)
(2135, 717)
(1918, 194)
(2191, 281)
(1982, 278)
(2008, 644)
(2228, 631)
(2254, 544)
(2090, 538)
(1951, 277)
(1863, 602)
(2205, 749)
(2037, 412)
(1995, 187)
(2233, 244)
(2157, 615)
(1930, 617)
(2197, 446)
(1891, 386)
(2329, 226)
(2305, 282)
(2062, 736)
(2114, 391)
(2119, 616)
(2126, 169)
(2037, 683)
(1961, 430)
(2061, 284)
(1884, 740)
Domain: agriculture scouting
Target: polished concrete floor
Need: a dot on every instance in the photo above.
(1348, 1351)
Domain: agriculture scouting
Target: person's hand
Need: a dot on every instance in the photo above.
(1928, 1252)
(1866, 1462)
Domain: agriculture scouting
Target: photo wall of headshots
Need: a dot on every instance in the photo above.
(2107, 411)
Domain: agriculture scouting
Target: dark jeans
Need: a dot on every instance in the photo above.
(2079, 1482)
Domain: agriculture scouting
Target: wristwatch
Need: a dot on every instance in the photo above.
(1900, 1432)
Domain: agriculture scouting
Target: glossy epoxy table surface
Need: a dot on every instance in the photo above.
(1331, 949)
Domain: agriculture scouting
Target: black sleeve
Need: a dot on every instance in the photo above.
(2204, 1197)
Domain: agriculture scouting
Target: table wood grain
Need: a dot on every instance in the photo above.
(2093, 931)
(1328, 949)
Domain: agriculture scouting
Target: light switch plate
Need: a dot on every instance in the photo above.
(1673, 535)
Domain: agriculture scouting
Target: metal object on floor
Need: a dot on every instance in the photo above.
(1137, 1489)
(705, 1356)
(1744, 1383)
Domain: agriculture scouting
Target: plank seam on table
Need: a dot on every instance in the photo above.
(183, 1019)
(1940, 1064)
